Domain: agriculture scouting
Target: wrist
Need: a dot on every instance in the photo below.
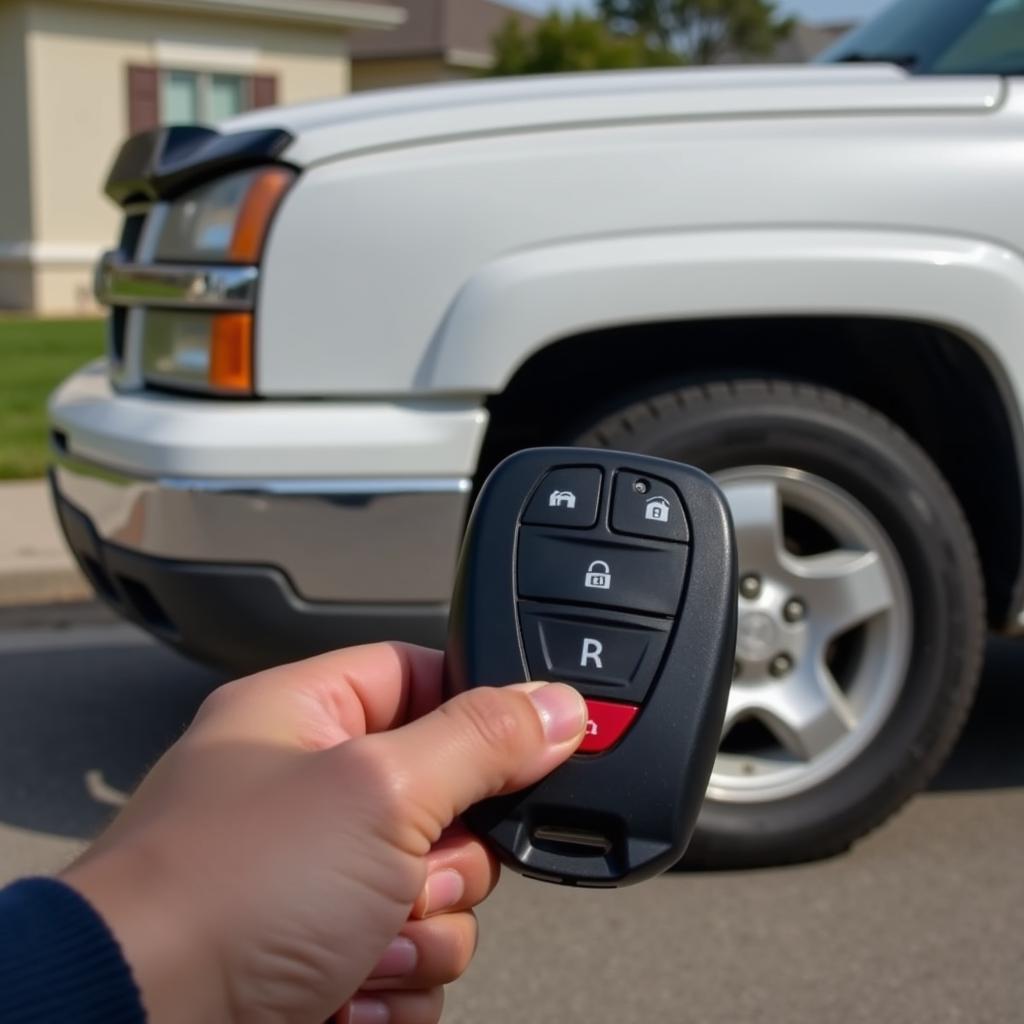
(173, 963)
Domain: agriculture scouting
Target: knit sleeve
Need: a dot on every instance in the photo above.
(59, 961)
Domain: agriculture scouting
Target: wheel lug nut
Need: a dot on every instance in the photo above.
(780, 665)
(750, 586)
(794, 610)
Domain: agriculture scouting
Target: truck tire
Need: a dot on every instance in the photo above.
(862, 618)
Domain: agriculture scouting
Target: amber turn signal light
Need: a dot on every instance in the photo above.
(258, 207)
(231, 353)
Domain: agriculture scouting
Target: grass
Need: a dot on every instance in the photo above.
(35, 356)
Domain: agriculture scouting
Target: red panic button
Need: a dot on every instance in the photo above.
(607, 723)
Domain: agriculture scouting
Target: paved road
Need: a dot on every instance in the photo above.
(924, 921)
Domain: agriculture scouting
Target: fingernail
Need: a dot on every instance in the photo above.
(399, 959)
(365, 1010)
(561, 711)
(444, 890)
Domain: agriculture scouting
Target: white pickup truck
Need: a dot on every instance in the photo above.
(329, 322)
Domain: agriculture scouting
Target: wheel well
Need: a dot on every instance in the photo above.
(930, 381)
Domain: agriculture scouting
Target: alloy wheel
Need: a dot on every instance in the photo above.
(824, 634)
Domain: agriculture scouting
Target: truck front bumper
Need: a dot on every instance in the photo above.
(251, 533)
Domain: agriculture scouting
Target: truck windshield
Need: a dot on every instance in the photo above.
(940, 37)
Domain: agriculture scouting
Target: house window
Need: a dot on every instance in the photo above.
(171, 96)
(188, 97)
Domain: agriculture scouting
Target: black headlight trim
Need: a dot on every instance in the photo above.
(165, 162)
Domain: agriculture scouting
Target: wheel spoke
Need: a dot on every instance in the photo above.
(757, 516)
(743, 700)
(843, 588)
(806, 712)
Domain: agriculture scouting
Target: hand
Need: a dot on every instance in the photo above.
(294, 852)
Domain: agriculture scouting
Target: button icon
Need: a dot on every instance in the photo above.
(562, 499)
(591, 653)
(657, 509)
(591, 729)
(598, 575)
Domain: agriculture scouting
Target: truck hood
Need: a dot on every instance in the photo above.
(396, 117)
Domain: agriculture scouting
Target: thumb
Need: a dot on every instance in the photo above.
(484, 742)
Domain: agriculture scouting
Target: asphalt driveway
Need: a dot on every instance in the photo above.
(920, 922)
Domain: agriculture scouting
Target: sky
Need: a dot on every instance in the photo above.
(809, 10)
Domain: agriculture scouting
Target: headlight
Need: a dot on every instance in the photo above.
(224, 221)
(198, 351)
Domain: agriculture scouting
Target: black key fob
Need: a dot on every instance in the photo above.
(615, 573)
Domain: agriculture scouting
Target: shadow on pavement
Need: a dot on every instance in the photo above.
(68, 711)
(990, 754)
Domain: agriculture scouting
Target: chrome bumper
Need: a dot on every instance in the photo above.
(350, 540)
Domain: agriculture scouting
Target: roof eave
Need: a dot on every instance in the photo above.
(342, 14)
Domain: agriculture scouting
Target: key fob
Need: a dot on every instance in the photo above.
(615, 573)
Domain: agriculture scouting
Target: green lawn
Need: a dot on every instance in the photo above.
(35, 356)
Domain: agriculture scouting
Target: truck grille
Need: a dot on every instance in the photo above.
(117, 320)
(130, 234)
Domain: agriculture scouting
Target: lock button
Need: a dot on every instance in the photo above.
(639, 576)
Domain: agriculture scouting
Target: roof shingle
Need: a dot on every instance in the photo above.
(436, 27)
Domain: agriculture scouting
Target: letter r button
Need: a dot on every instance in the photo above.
(607, 658)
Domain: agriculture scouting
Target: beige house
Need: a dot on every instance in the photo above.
(76, 76)
(440, 40)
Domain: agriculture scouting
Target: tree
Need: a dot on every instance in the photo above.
(571, 43)
(702, 30)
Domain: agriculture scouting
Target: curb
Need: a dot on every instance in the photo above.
(43, 586)
(36, 566)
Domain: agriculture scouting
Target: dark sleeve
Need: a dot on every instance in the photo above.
(59, 961)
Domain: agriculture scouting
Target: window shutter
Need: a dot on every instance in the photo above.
(143, 98)
(263, 91)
